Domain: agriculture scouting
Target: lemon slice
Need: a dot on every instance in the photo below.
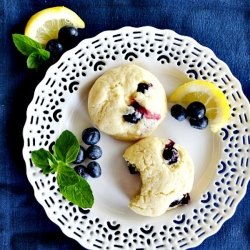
(45, 24)
(217, 107)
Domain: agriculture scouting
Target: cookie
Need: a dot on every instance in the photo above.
(167, 174)
(127, 102)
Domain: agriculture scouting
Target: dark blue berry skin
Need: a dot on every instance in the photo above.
(179, 112)
(91, 136)
(196, 110)
(171, 155)
(81, 156)
(185, 199)
(94, 169)
(182, 201)
(94, 152)
(68, 35)
(142, 87)
(132, 118)
(132, 170)
(174, 203)
(81, 170)
(199, 124)
(55, 48)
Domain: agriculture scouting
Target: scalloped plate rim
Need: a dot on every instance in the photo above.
(240, 195)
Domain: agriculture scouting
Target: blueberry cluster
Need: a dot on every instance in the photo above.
(67, 37)
(195, 111)
(90, 137)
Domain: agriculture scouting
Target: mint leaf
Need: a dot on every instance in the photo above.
(29, 47)
(73, 187)
(25, 44)
(66, 147)
(53, 164)
(35, 59)
(44, 160)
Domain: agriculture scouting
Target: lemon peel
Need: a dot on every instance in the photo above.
(45, 24)
(217, 108)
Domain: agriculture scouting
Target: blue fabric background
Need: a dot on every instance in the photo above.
(221, 25)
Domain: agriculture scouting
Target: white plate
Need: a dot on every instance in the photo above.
(221, 159)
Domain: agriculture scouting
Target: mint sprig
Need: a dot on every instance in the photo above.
(32, 49)
(73, 187)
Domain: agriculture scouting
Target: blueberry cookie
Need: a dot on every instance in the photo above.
(167, 175)
(127, 103)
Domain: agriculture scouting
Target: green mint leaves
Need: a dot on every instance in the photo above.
(32, 49)
(35, 59)
(66, 147)
(44, 160)
(25, 44)
(73, 187)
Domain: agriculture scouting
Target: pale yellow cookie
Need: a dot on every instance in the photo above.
(127, 103)
(164, 181)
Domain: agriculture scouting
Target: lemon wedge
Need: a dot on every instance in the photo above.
(45, 24)
(217, 107)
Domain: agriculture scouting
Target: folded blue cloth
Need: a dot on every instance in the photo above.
(223, 26)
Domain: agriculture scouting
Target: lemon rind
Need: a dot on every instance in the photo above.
(212, 90)
(54, 13)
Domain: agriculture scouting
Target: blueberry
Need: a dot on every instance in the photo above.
(81, 156)
(179, 112)
(171, 155)
(142, 87)
(94, 169)
(93, 152)
(196, 110)
(55, 48)
(68, 35)
(133, 118)
(174, 203)
(185, 199)
(82, 171)
(199, 124)
(135, 105)
(132, 169)
(182, 201)
(91, 136)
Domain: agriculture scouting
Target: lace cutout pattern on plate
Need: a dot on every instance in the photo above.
(132, 45)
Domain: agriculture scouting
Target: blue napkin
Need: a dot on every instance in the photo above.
(223, 26)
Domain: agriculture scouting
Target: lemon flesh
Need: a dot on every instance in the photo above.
(217, 107)
(45, 24)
